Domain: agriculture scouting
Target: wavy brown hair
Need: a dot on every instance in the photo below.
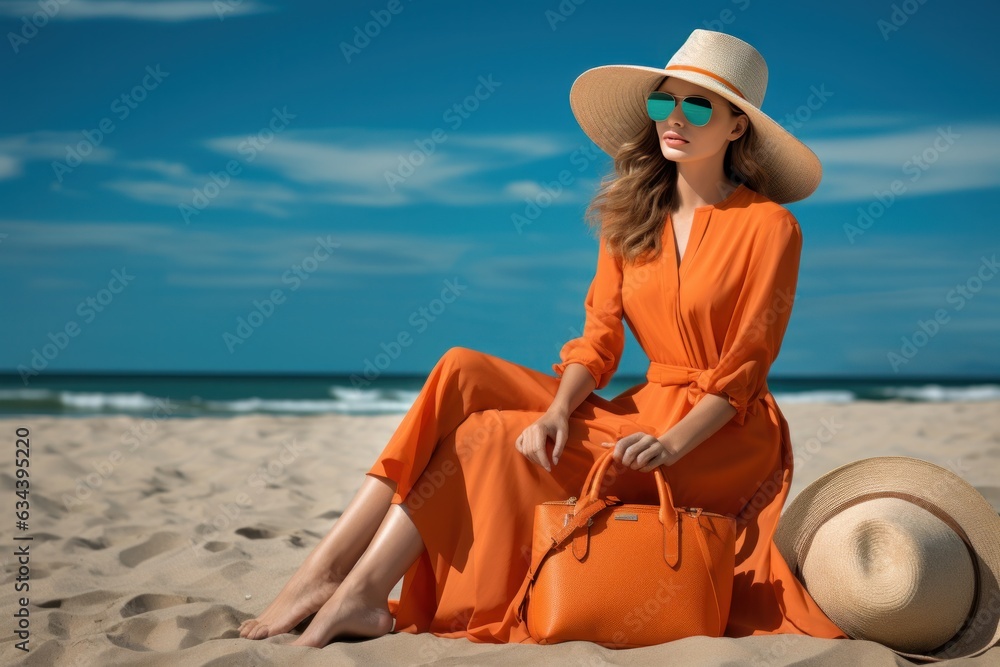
(630, 208)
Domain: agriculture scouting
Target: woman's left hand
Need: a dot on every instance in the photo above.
(643, 452)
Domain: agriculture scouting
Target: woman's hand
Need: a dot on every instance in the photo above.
(644, 452)
(533, 440)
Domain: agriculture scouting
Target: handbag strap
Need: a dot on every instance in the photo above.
(711, 570)
(580, 519)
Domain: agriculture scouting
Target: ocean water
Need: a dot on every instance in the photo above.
(228, 395)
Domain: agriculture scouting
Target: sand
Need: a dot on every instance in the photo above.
(154, 539)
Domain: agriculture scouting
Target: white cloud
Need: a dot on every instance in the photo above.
(348, 166)
(866, 122)
(267, 198)
(858, 165)
(338, 166)
(44, 146)
(206, 258)
(146, 10)
(161, 167)
(10, 167)
(359, 166)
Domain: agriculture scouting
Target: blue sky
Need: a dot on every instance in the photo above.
(180, 163)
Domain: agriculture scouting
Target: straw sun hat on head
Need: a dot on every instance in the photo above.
(899, 551)
(609, 102)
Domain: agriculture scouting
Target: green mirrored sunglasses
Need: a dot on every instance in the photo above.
(697, 109)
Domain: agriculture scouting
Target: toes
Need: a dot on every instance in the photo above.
(254, 630)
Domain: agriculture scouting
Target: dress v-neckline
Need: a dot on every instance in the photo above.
(699, 224)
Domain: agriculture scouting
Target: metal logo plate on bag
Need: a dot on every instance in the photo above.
(626, 517)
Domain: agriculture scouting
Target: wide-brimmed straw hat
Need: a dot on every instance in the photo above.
(899, 551)
(609, 102)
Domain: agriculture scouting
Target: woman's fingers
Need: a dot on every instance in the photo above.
(561, 437)
(649, 460)
(621, 447)
(527, 444)
(538, 453)
(631, 446)
(650, 453)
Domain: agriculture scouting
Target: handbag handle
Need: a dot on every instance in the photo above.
(667, 514)
(592, 485)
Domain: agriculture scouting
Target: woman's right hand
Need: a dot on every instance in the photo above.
(533, 441)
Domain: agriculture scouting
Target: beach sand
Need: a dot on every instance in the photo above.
(154, 539)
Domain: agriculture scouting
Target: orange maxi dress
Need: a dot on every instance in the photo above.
(711, 323)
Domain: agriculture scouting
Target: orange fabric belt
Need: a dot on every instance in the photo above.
(673, 374)
(667, 374)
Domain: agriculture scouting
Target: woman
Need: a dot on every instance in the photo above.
(701, 260)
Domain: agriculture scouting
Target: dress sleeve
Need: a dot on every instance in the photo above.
(600, 347)
(760, 318)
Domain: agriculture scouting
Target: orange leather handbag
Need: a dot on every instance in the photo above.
(627, 575)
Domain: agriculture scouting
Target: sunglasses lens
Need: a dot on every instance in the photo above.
(659, 105)
(697, 109)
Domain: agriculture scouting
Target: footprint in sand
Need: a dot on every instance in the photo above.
(140, 604)
(252, 533)
(157, 544)
(80, 602)
(76, 541)
(173, 629)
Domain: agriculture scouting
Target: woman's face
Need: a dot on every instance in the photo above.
(701, 142)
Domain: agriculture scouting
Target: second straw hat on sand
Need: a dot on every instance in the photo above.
(899, 551)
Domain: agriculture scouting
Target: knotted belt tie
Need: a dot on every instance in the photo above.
(675, 374)
(668, 374)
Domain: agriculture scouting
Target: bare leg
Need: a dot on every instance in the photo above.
(359, 607)
(327, 566)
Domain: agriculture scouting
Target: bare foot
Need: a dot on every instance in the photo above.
(304, 594)
(348, 613)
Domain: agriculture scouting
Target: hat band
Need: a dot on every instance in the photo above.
(692, 68)
(933, 509)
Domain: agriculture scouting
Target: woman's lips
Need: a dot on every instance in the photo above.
(671, 141)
